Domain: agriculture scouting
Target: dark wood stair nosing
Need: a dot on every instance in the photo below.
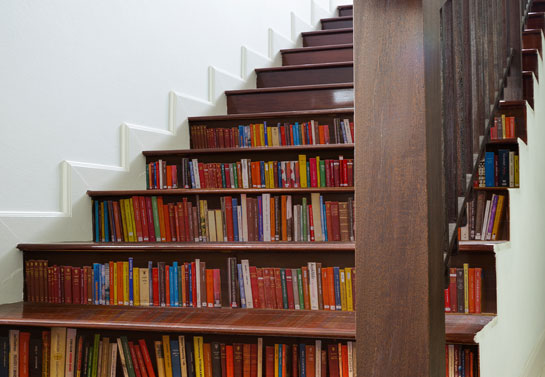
(327, 31)
(339, 18)
(305, 66)
(289, 89)
(317, 48)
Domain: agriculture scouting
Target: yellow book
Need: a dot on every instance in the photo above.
(219, 225)
(198, 352)
(349, 294)
(58, 351)
(269, 136)
(271, 174)
(317, 171)
(125, 283)
(136, 285)
(267, 178)
(166, 355)
(144, 287)
(124, 220)
(275, 138)
(133, 221)
(516, 171)
(262, 134)
(342, 278)
(466, 287)
(115, 283)
(212, 226)
(159, 358)
(128, 218)
(276, 360)
(503, 126)
(497, 218)
(303, 170)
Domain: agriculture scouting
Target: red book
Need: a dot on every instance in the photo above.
(267, 294)
(294, 362)
(79, 355)
(289, 287)
(84, 279)
(325, 287)
(143, 218)
(344, 171)
(261, 287)
(229, 218)
(230, 362)
(447, 300)
(137, 218)
(147, 359)
(255, 289)
(471, 290)
(187, 221)
(166, 220)
(284, 357)
(172, 222)
(194, 283)
(253, 360)
(352, 130)
(278, 285)
(117, 222)
(269, 361)
(452, 291)
(511, 128)
(209, 288)
(313, 176)
(283, 135)
(201, 175)
(155, 283)
(333, 360)
(478, 289)
(335, 221)
(120, 297)
(350, 173)
(134, 360)
(149, 212)
(67, 284)
(76, 283)
(223, 358)
(310, 217)
(24, 345)
(344, 360)
(176, 210)
(217, 288)
(167, 285)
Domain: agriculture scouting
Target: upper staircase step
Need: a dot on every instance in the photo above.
(528, 87)
(327, 37)
(531, 38)
(530, 58)
(535, 20)
(337, 23)
(318, 54)
(345, 10)
(290, 98)
(538, 6)
(305, 74)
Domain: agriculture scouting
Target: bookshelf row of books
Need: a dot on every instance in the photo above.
(503, 128)
(263, 135)
(461, 361)
(465, 291)
(68, 352)
(499, 169)
(314, 172)
(264, 218)
(191, 284)
(484, 217)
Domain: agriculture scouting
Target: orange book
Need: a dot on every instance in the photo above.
(311, 361)
(210, 288)
(246, 357)
(229, 361)
(166, 214)
(345, 360)
(478, 289)
(325, 287)
(120, 298)
(160, 209)
(471, 290)
(284, 226)
(207, 356)
(112, 282)
(284, 355)
(169, 177)
(24, 346)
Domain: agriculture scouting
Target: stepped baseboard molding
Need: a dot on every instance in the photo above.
(71, 222)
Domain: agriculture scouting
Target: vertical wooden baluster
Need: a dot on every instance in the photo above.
(476, 74)
(486, 57)
(459, 103)
(513, 91)
(469, 78)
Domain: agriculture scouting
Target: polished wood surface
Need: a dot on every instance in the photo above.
(345, 10)
(538, 6)
(530, 61)
(307, 74)
(327, 37)
(479, 246)
(516, 109)
(461, 328)
(319, 54)
(531, 39)
(337, 23)
(306, 97)
(528, 87)
(536, 20)
(400, 217)
(259, 322)
(209, 247)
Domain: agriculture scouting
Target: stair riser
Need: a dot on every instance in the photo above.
(322, 56)
(327, 39)
(528, 89)
(531, 40)
(535, 22)
(529, 63)
(312, 99)
(346, 12)
(305, 77)
(336, 24)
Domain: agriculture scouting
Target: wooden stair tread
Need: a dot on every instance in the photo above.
(530, 51)
(259, 322)
(268, 115)
(479, 246)
(512, 103)
(219, 191)
(350, 6)
(339, 18)
(462, 328)
(326, 32)
(289, 89)
(178, 247)
(306, 66)
(316, 48)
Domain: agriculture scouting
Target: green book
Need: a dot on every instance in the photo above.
(223, 181)
(128, 359)
(284, 288)
(322, 174)
(94, 364)
(235, 173)
(156, 219)
(300, 288)
(147, 177)
(89, 363)
(304, 220)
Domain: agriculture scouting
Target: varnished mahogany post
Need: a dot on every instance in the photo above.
(400, 324)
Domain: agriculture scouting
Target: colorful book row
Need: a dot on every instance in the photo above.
(484, 216)
(67, 352)
(461, 361)
(499, 169)
(503, 128)
(465, 291)
(264, 218)
(310, 287)
(252, 174)
(263, 135)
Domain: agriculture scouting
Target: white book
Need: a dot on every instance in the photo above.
(313, 285)
(318, 358)
(292, 173)
(247, 283)
(244, 217)
(316, 216)
(198, 279)
(511, 169)
(295, 285)
(13, 353)
(183, 360)
(244, 163)
(144, 286)
(288, 214)
(285, 178)
(70, 352)
(195, 164)
(232, 174)
(354, 359)
(350, 360)
(113, 359)
(160, 166)
(485, 220)
(122, 358)
(464, 231)
(58, 349)
(313, 130)
(348, 134)
(259, 357)
(266, 217)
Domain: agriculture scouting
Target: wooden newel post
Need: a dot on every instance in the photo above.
(400, 211)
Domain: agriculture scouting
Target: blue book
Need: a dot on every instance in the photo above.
(131, 290)
(96, 283)
(176, 284)
(247, 136)
(241, 136)
(235, 219)
(190, 270)
(190, 357)
(102, 284)
(262, 168)
(296, 133)
(260, 217)
(241, 285)
(150, 274)
(266, 136)
(175, 357)
(324, 223)
(97, 222)
(308, 174)
(4, 356)
(489, 169)
(337, 284)
(106, 230)
(107, 284)
(307, 129)
(191, 174)
(302, 361)
(280, 348)
(154, 175)
(343, 131)
(503, 167)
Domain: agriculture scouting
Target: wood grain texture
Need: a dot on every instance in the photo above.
(531, 38)
(478, 246)
(530, 61)
(536, 20)
(307, 74)
(400, 221)
(461, 328)
(286, 323)
(345, 10)
(327, 37)
(337, 23)
(319, 54)
(528, 87)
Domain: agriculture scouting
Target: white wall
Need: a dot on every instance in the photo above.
(86, 86)
(513, 344)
